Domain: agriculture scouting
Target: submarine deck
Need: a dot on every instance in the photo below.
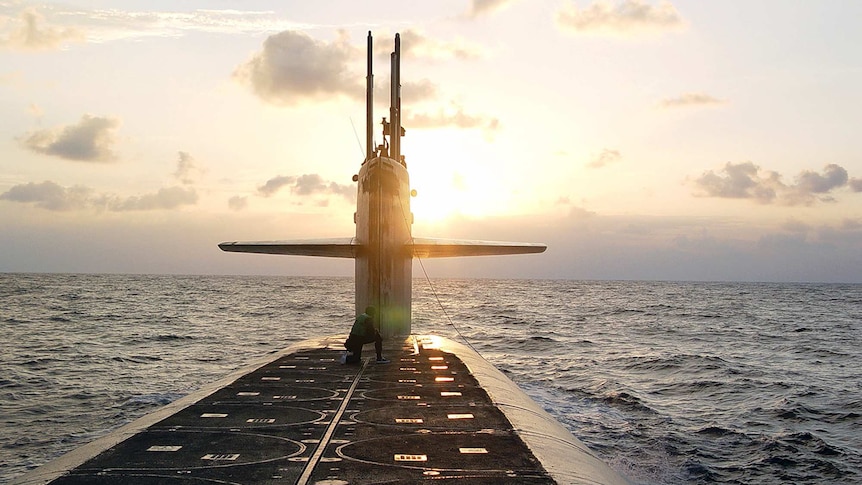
(306, 418)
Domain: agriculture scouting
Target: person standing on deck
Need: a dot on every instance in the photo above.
(364, 332)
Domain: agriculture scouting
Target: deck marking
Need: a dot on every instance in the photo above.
(330, 430)
(164, 448)
(406, 457)
(220, 456)
(472, 451)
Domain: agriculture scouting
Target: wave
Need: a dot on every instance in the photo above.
(169, 337)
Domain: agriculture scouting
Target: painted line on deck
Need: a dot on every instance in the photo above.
(330, 430)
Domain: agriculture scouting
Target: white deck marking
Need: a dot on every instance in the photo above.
(330, 430)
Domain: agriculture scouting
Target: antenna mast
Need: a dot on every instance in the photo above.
(395, 103)
(369, 107)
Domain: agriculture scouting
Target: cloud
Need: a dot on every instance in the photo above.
(54, 197)
(50, 28)
(740, 181)
(293, 67)
(415, 91)
(458, 119)
(416, 45)
(856, 185)
(165, 198)
(306, 185)
(811, 184)
(237, 203)
(91, 140)
(606, 157)
(32, 33)
(690, 99)
(275, 184)
(114, 24)
(481, 8)
(49, 195)
(747, 181)
(623, 17)
(187, 169)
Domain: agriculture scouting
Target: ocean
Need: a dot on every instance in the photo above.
(668, 382)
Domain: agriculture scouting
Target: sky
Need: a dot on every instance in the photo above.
(638, 139)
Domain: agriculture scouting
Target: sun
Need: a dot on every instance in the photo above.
(450, 180)
(444, 194)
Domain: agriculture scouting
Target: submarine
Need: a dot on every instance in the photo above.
(436, 411)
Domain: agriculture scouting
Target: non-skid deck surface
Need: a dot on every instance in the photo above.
(305, 418)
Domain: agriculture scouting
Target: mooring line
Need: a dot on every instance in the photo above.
(330, 430)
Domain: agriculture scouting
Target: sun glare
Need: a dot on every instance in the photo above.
(449, 184)
(443, 194)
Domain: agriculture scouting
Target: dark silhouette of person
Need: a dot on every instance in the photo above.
(364, 332)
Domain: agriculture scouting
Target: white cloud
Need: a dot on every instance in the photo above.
(90, 140)
(306, 185)
(187, 169)
(54, 197)
(51, 28)
(275, 184)
(457, 118)
(293, 67)
(747, 181)
(30, 31)
(49, 195)
(740, 181)
(237, 203)
(481, 8)
(606, 157)
(164, 199)
(620, 17)
(690, 99)
(416, 45)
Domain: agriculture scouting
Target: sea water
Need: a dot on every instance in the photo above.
(666, 382)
